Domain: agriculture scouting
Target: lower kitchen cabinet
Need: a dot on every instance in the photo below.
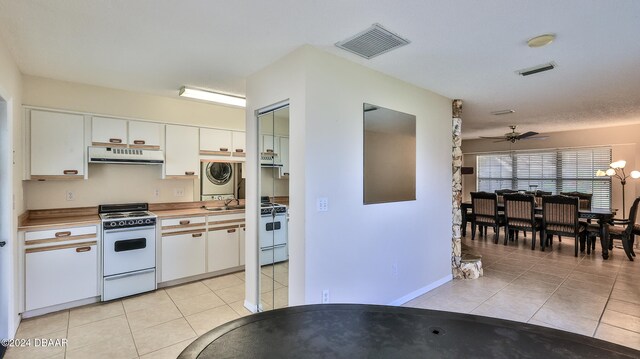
(60, 274)
(223, 247)
(243, 233)
(183, 254)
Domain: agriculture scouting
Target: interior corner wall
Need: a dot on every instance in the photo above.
(352, 250)
(622, 139)
(11, 194)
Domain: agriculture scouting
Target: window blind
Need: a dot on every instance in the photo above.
(555, 171)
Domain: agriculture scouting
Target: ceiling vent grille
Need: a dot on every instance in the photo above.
(537, 69)
(372, 42)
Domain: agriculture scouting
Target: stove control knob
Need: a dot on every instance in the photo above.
(139, 221)
(131, 222)
(148, 220)
(121, 223)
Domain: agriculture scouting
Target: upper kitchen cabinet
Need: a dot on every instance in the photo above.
(115, 132)
(145, 135)
(181, 151)
(215, 142)
(108, 132)
(57, 149)
(239, 141)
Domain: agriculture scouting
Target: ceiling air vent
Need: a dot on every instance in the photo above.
(537, 69)
(372, 42)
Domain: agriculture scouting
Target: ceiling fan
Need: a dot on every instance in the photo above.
(514, 136)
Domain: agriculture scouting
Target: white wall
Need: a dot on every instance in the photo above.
(350, 250)
(120, 183)
(11, 200)
(622, 139)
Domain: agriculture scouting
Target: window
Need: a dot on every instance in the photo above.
(555, 171)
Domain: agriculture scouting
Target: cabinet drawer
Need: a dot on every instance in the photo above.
(225, 219)
(183, 222)
(61, 233)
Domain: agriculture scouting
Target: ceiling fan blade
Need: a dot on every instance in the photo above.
(526, 134)
(493, 138)
(535, 138)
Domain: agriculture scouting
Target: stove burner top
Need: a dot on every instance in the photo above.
(138, 214)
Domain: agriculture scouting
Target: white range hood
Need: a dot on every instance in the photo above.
(125, 155)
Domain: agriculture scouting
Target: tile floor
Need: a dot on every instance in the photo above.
(585, 295)
(156, 325)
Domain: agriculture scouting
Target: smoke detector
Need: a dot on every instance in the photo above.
(372, 42)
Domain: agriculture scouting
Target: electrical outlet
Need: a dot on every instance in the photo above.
(70, 195)
(178, 192)
(325, 296)
(156, 193)
(323, 204)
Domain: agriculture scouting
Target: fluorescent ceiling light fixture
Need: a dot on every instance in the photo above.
(212, 96)
(502, 112)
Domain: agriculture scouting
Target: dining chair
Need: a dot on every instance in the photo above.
(502, 192)
(538, 196)
(622, 229)
(560, 217)
(484, 206)
(519, 214)
(585, 198)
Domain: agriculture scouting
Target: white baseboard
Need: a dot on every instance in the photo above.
(423, 290)
(55, 308)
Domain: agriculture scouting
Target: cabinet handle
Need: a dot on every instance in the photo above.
(239, 150)
(83, 249)
(186, 221)
(224, 149)
(196, 235)
(63, 234)
(189, 173)
(70, 172)
(115, 140)
(285, 174)
(231, 231)
(269, 150)
(139, 142)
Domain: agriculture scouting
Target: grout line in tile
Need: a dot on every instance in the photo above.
(130, 330)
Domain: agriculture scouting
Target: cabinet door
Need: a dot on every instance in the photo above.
(145, 134)
(239, 144)
(243, 234)
(57, 275)
(183, 255)
(270, 144)
(57, 145)
(223, 249)
(181, 151)
(215, 142)
(284, 156)
(108, 131)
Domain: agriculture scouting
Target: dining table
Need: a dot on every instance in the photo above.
(601, 215)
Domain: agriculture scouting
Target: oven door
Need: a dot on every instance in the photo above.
(273, 231)
(128, 249)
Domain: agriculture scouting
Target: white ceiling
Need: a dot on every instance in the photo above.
(464, 49)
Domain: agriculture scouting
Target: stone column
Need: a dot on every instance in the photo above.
(456, 187)
(464, 265)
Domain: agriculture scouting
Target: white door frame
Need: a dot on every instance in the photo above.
(8, 320)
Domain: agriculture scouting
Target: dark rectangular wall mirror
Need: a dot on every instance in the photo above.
(389, 155)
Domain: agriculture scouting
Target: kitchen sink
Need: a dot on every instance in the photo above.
(225, 208)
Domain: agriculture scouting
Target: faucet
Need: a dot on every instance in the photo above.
(227, 201)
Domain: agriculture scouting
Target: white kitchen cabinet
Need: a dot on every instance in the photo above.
(222, 248)
(243, 235)
(271, 144)
(181, 151)
(183, 254)
(57, 148)
(284, 156)
(108, 132)
(60, 270)
(145, 135)
(239, 142)
(215, 142)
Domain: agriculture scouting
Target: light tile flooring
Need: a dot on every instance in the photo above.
(154, 325)
(585, 295)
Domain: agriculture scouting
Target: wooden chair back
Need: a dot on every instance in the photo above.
(502, 192)
(519, 210)
(585, 198)
(484, 206)
(560, 215)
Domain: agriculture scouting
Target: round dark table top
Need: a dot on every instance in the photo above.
(373, 331)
